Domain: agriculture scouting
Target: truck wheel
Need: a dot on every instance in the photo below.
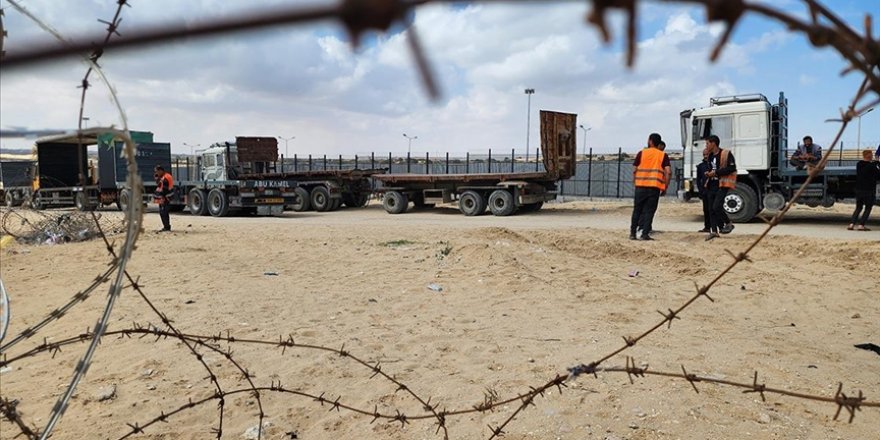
(501, 202)
(9, 199)
(81, 201)
(37, 202)
(395, 202)
(741, 203)
(321, 200)
(302, 200)
(123, 199)
(196, 202)
(471, 203)
(218, 204)
(335, 204)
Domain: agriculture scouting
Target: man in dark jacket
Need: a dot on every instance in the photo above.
(721, 179)
(867, 176)
(703, 168)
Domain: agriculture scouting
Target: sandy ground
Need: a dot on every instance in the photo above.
(522, 299)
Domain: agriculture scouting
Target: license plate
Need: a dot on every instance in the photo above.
(270, 200)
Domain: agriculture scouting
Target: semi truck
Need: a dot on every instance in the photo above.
(502, 193)
(15, 180)
(64, 176)
(756, 132)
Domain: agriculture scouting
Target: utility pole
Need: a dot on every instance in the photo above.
(409, 147)
(585, 129)
(286, 154)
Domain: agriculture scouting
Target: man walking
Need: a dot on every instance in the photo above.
(721, 178)
(651, 175)
(164, 186)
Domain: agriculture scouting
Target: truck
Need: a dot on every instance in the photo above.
(63, 175)
(328, 190)
(15, 181)
(502, 193)
(756, 132)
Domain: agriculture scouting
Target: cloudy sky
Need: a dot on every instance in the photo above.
(306, 82)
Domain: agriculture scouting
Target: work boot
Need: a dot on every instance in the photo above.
(727, 229)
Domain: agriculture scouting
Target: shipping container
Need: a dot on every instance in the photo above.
(257, 149)
(113, 167)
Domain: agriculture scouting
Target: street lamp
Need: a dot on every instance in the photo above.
(191, 147)
(859, 136)
(285, 143)
(529, 93)
(85, 120)
(585, 138)
(409, 147)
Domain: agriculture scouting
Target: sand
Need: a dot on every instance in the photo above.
(523, 298)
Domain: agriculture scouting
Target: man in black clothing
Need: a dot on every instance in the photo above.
(721, 177)
(867, 176)
(703, 168)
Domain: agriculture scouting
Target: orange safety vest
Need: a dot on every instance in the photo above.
(728, 181)
(650, 172)
(166, 183)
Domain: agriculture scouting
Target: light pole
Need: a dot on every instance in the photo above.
(191, 148)
(409, 147)
(285, 143)
(859, 136)
(85, 120)
(585, 129)
(529, 93)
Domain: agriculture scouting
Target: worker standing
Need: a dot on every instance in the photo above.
(721, 178)
(164, 187)
(703, 168)
(651, 175)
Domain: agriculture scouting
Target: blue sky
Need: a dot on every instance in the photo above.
(306, 81)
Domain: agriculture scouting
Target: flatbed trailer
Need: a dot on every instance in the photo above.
(325, 190)
(502, 193)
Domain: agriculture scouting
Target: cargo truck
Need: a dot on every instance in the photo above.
(502, 193)
(64, 176)
(756, 132)
(15, 181)
(252, 162)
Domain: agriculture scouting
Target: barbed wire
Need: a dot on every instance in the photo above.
(862, 51)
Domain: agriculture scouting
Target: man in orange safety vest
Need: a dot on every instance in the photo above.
(651, 176)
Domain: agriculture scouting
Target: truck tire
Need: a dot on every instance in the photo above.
(501, 202)
(123, 199)
(218, 203)
(302, 200)
(335, 204)
(196, 201)
(81, 201)
(36, 201)
(395, 202)
(9, 199)
(471, 203)
(741, 203)
(321, 200)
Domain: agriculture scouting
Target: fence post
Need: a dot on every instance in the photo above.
(447, 162)
(427, 163)
(355, 161)
(467, 163)
(840, 155)
(512, 159)
(310, 162)
(373, 160)
(590, 174)
(325, 162)
(490, 160)
(407, 162)
(340, 161)
(619, 162)
(389, 162)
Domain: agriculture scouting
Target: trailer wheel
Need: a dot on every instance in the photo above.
(321, 200)
(741, 203)
(501, 202)
(471, 203)
(302, 200)
(81, 201)
(37, 201)
(123, 199)
(395, 202)
(335, 204)
(218, 203)
(9, 199)
(196, 202)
